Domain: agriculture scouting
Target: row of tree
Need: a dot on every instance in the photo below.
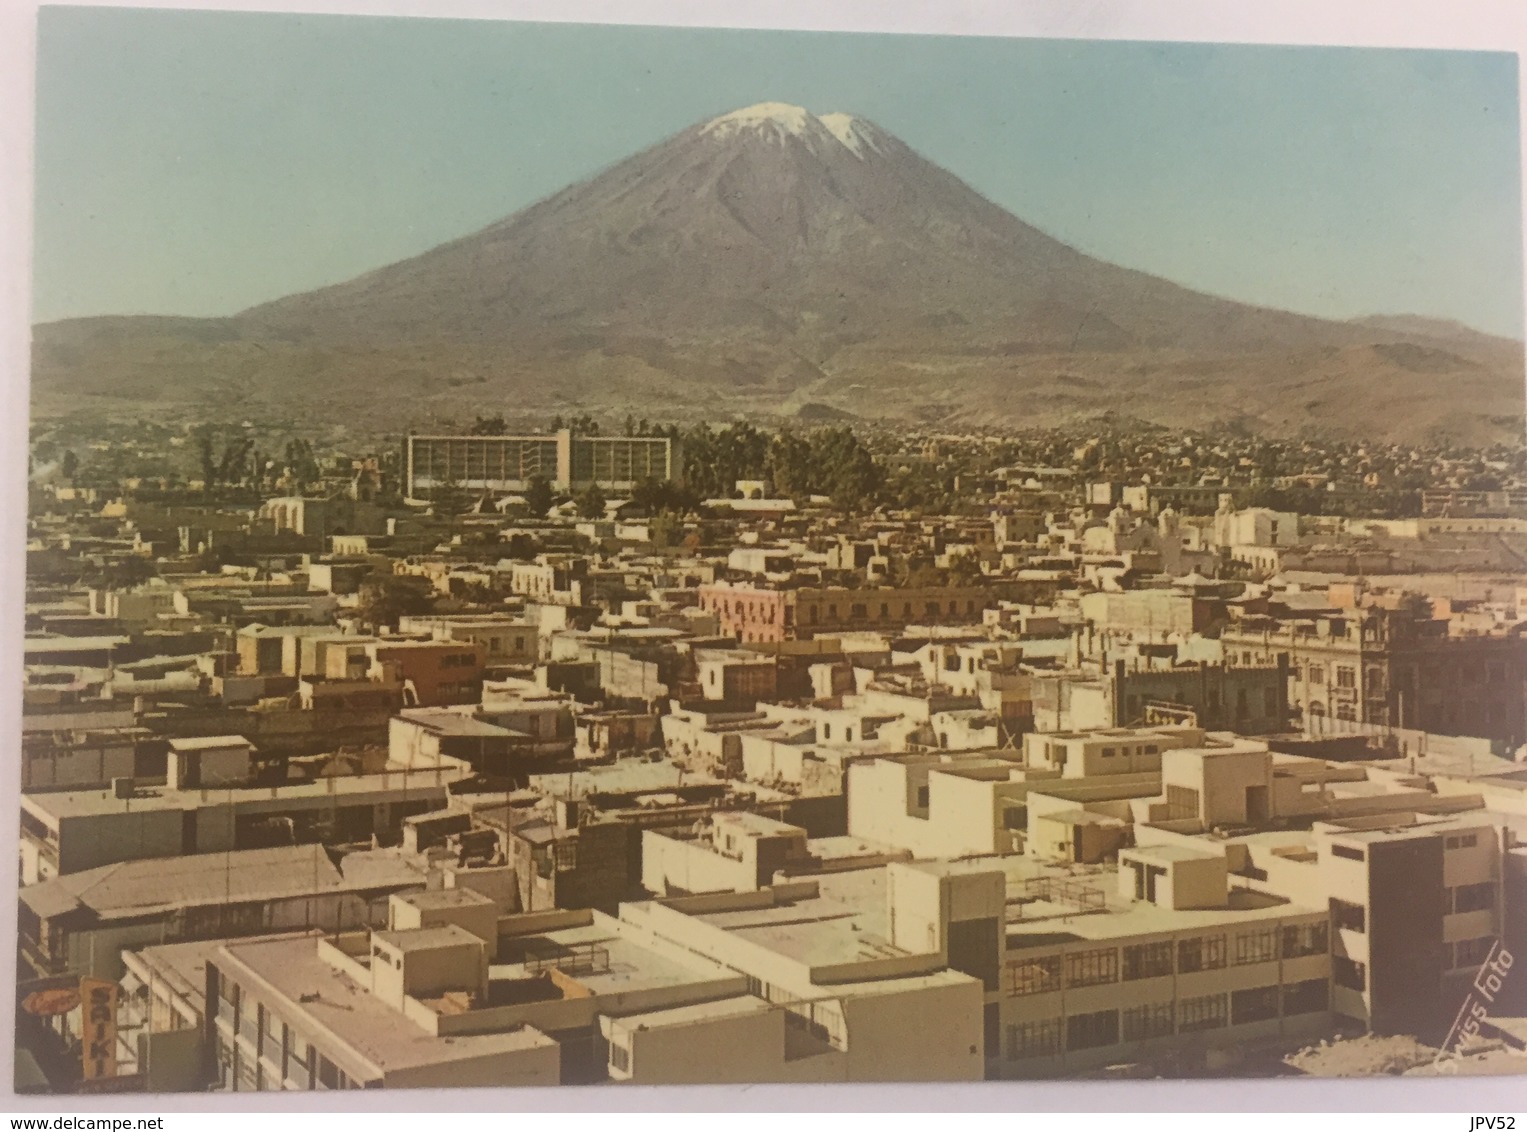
(827, 461)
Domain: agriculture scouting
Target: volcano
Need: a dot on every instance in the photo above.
(770, 259)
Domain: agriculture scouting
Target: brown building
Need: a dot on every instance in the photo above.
(1396, 668)
(439, 672)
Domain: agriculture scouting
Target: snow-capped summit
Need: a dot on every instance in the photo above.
(859, 135)
(778, 117)
(778, 121)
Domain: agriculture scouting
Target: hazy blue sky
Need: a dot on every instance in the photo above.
(198, 163)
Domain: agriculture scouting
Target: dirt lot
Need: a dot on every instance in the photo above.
(1373, 1056)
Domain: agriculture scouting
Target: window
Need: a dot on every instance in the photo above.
(1347, 973)
(1346, 676)
(1308, 997)
(1473, 952)
(1206, 1012)
(1091, 968)
(1034, 976)
(1033, 1039)
(249, 1023)
(1317, 674)
(1305, 939)
(328, 1073)
(1347, 916)
(1256, 947)
(228, 994)
(1474, 897)
(1142, 1023)
(1109, 752)
(1347, 852)
(620, 1058)
(271, 1042)
(1148, 960)
(1254, 1004)
(1206, 953)
(1092, 1031)
(1463, 841)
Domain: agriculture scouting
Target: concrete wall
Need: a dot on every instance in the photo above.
(538, 1065)
(932, 1033)
(670, 865)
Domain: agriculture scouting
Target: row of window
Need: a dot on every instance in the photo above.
(1471, 952)
(297, 1062)
(1469, 898)
(1043, 974)
(1143, 749)
(1049, 1037)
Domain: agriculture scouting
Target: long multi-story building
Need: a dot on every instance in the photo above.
(762, 614)
(566, 460)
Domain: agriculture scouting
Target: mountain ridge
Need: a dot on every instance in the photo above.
(770, 255)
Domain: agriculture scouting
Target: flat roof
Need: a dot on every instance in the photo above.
(91, 803)
(1048, 922)
(738, 1006)
(71, 644)
(317, 998)
(446, 898)
(425, 939)
(158, 886)
(757, 824)
(1172, 853)
(844, 923)
(632, 966)
(209, 743)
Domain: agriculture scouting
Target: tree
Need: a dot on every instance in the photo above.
(205, 458)
(385, 600)
(666, 530)
(449, 499)
(490, 426)
(128, 573)
(70, 465)
(591, 502)
(538, 498)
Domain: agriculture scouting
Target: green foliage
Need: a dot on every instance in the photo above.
(450, 499)
(827, 461)
(386, 599)
(591, 502)
(657, 497)
(490, 426)
(667, 531)
(538, 497)
(127, 573)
